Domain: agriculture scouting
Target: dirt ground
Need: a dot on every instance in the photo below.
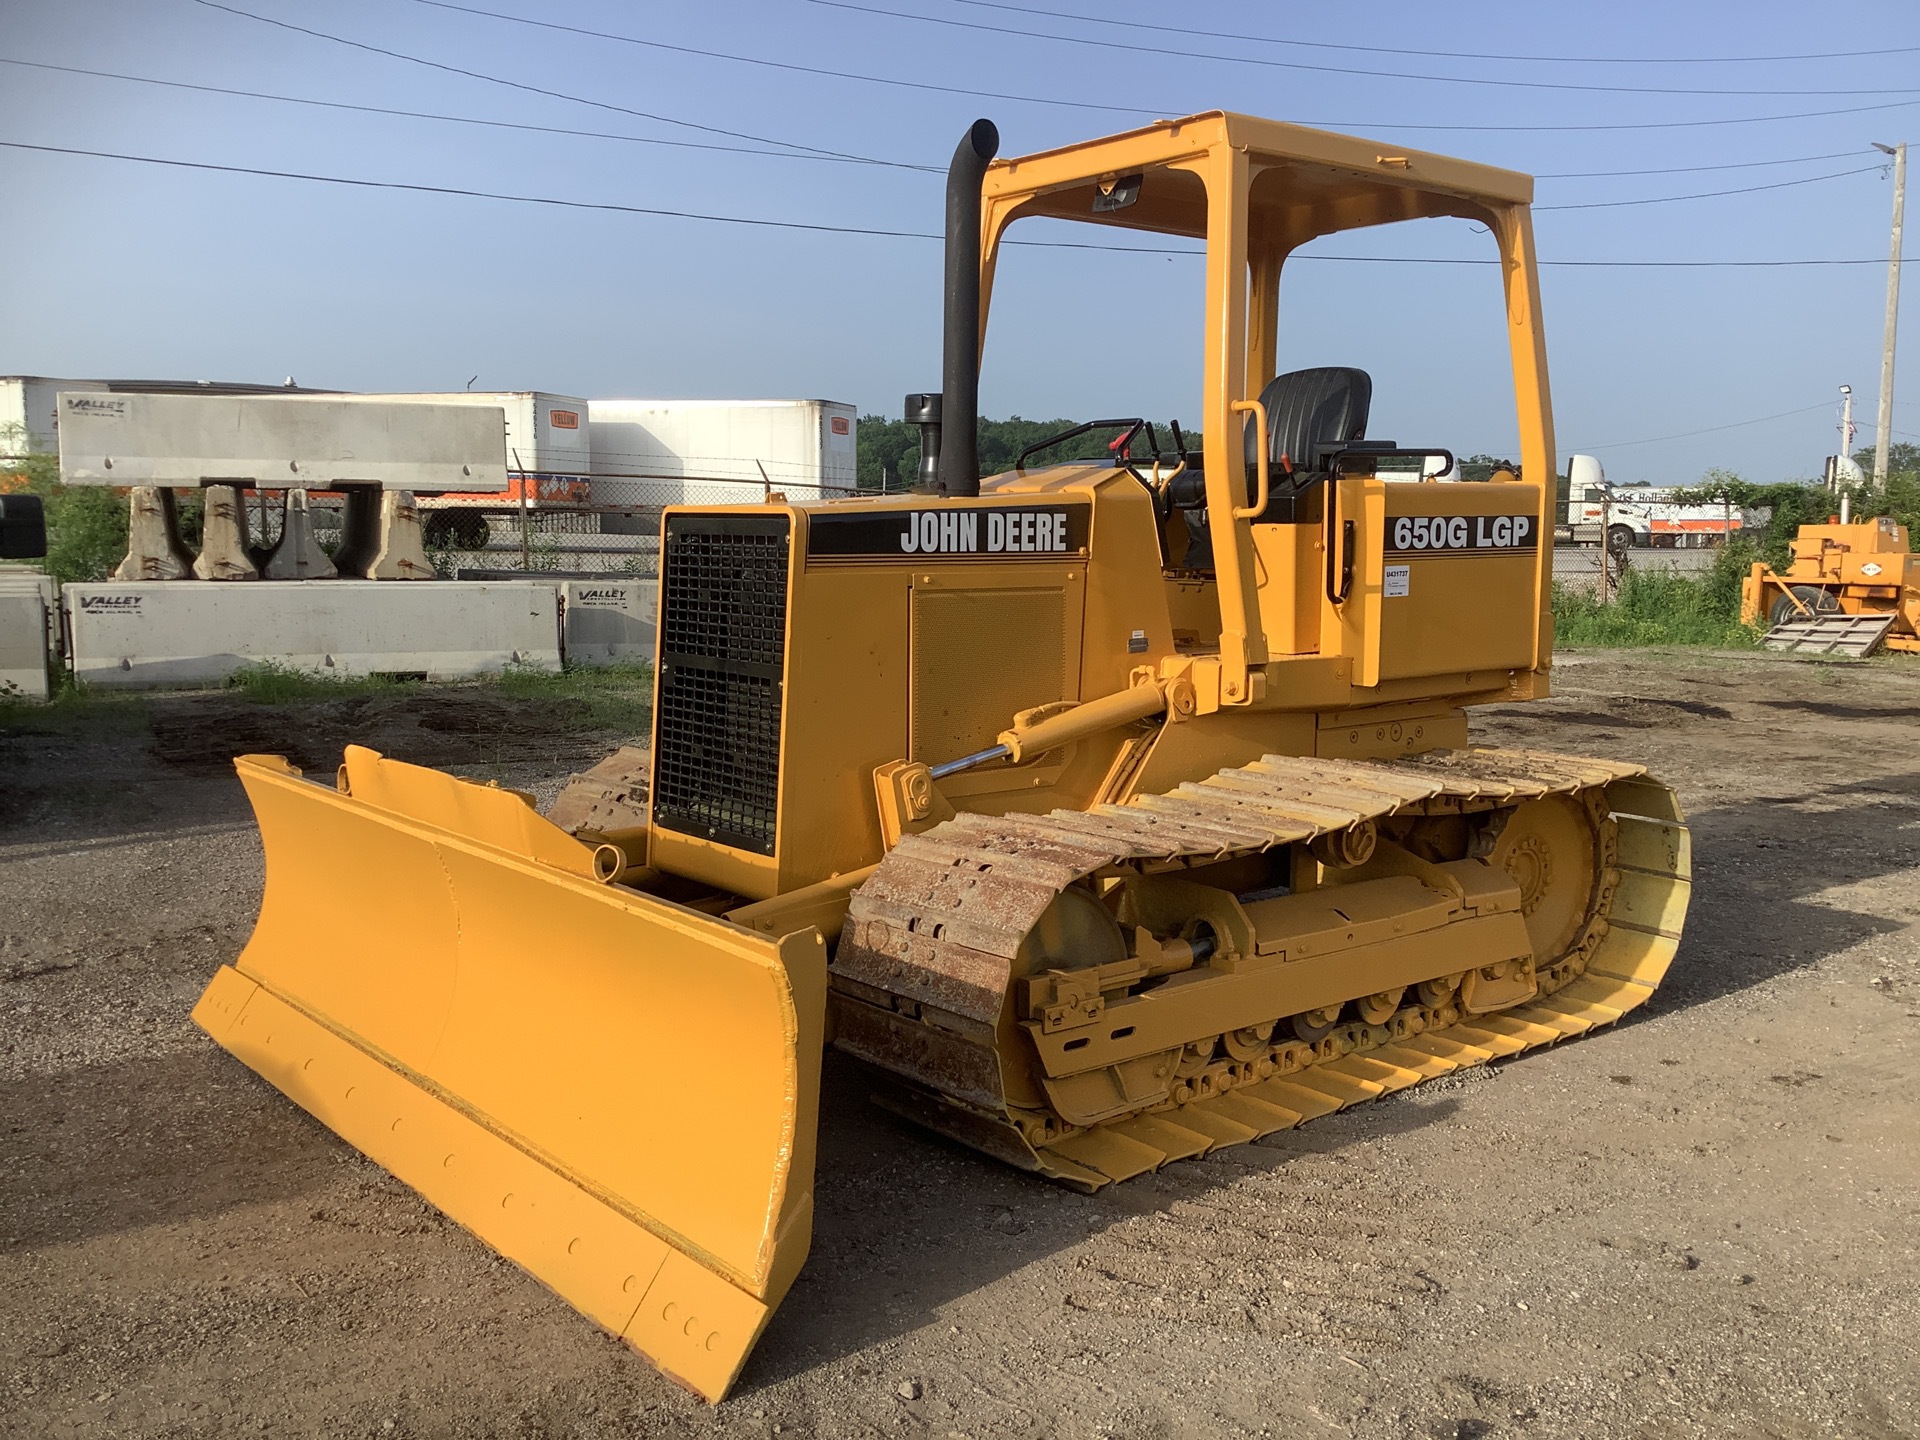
(1702, 1222)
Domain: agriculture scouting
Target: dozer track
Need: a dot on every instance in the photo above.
(962, 969)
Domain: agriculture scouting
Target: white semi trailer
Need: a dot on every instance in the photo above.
(548, 462)
(651, 453)
(30, 412)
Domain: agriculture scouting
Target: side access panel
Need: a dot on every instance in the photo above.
(616, 1093)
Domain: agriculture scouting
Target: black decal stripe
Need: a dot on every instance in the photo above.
(874, 535)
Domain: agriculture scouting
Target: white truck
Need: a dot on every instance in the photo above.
(652, 453)
(1640, 515)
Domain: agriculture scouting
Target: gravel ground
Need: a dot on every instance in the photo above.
(1700, 1223)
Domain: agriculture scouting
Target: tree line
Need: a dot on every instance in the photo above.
(889, 450)
(1794, 503)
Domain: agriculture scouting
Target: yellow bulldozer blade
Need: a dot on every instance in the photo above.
(617, 1093)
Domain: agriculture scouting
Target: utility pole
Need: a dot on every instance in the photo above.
(1606, 537)
(1883, 434)
(1835, 481)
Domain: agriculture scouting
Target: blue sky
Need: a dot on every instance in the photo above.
(127, 269)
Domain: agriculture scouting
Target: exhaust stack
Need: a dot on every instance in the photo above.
(924, 411)
(954, 463)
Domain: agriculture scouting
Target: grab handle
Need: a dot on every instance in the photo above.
(1339, 540)
(1259, 412)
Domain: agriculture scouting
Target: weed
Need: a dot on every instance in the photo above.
(268, 682)
(1658, 607)
(613, 697)
(73, 706)
(86, 524)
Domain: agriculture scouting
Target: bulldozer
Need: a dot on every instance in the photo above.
(1105, 812)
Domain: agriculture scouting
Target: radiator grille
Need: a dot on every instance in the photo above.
(723, 635)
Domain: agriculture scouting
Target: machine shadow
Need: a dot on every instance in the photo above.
(907, 1222)
(1759, 870)
(148, 1140)
(442, 728)
(62, 797)
(115, 777)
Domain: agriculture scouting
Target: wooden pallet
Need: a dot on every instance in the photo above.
(1830, 634)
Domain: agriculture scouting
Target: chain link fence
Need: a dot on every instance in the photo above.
(616, 532)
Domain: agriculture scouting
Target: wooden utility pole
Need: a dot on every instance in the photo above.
(1883, 434)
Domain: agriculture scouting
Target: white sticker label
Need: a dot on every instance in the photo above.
(1396, 580)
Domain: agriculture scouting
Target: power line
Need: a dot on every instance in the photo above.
(1446, 54)
(1044, 100)
(550, 94)
(1710, 430)
(767, 223)
(895, 164)
(796, 68)
(778, 154)
(1712, 194)
(472, 194)
(809, 155)
(1694, 169)
(1595, 129)
(1571, 264)
(1160, 52)
(450, 119)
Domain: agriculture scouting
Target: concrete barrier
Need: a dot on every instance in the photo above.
(609, 620)
(143, 634)
(28, 634)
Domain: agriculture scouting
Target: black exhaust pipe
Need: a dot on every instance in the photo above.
(923, 410)
(959, 411)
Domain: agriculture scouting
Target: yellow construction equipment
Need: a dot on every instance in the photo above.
(1862, 568)
(1111, 812)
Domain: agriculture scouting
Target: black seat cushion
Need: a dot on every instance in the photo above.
(1309, 409)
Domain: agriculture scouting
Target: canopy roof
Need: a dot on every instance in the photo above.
(1301, 182)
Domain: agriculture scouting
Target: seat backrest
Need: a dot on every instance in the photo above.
(1307, 409)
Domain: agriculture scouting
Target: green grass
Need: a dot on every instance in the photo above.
(74, 706)
(615, 697)
(268, 682)
(1658, 607)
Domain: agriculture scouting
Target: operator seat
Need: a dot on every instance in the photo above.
(1309, 412)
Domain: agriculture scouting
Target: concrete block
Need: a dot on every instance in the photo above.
(27, 634)
(190, 633)
(609, 621)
